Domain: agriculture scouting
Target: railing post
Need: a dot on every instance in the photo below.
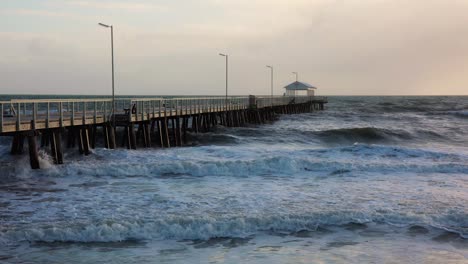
(84, 113)
(142, 106)
(148, 110)
(130, 112)
(1, 118)
(61, 114)
(34, 115)
(184, 105)
(95, 113)
(160, 105)
(73, 114)
(252, 102)
(18, 117)
(48, 115)
(172, 106)
(183, 102)
(105, 111)
(191, 105)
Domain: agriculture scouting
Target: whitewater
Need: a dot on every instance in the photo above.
(368, 180)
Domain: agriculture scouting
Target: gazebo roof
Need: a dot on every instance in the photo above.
(299, 86)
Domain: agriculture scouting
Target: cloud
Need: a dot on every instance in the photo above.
(344, 47)
(38, 12)
(126, 6)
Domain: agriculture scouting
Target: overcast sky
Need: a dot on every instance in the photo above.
(344, 47)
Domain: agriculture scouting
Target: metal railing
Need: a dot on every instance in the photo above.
(29, 114)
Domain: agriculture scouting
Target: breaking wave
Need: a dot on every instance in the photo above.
(216, 161)
(187, 227)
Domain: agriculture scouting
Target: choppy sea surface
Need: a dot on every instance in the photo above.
(368, 180)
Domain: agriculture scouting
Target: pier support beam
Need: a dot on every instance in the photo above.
(109, 136)
(45, 138)
(111, 131)
(160, 132)
(71, 137)
(175, 141)
(132, 136)
(194, 124)
(92, 136)
(184, 129)
(84, 135)
(80, 142)
(33, 154)
(166, 140)
(178, 133)
(146, 135)
(17, 145)
(56, 146)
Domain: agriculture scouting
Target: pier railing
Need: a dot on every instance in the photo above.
(30, 114)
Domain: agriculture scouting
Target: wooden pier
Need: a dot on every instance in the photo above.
(136, 122)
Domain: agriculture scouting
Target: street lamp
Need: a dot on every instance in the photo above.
(112, 54)
(226, 56)
(271, 83)
(297, 75)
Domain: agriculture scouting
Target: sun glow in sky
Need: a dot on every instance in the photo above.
(345, 47)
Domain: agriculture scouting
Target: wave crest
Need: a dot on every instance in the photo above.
(186, 227)
(214, 161)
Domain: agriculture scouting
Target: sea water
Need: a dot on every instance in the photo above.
(368, 180)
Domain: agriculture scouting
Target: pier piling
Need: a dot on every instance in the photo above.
(33, 154)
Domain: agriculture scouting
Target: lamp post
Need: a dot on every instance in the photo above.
(297, 75)
(271, 82)
(226, 56)
(112, 54)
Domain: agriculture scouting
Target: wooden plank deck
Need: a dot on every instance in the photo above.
(41, 114)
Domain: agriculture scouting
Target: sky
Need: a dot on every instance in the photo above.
(343, 47)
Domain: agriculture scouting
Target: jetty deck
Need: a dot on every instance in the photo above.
(160, 122)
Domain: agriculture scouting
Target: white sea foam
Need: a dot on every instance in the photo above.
(186, 227)
(209, 161)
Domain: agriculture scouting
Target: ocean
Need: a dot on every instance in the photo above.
(367, 180)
